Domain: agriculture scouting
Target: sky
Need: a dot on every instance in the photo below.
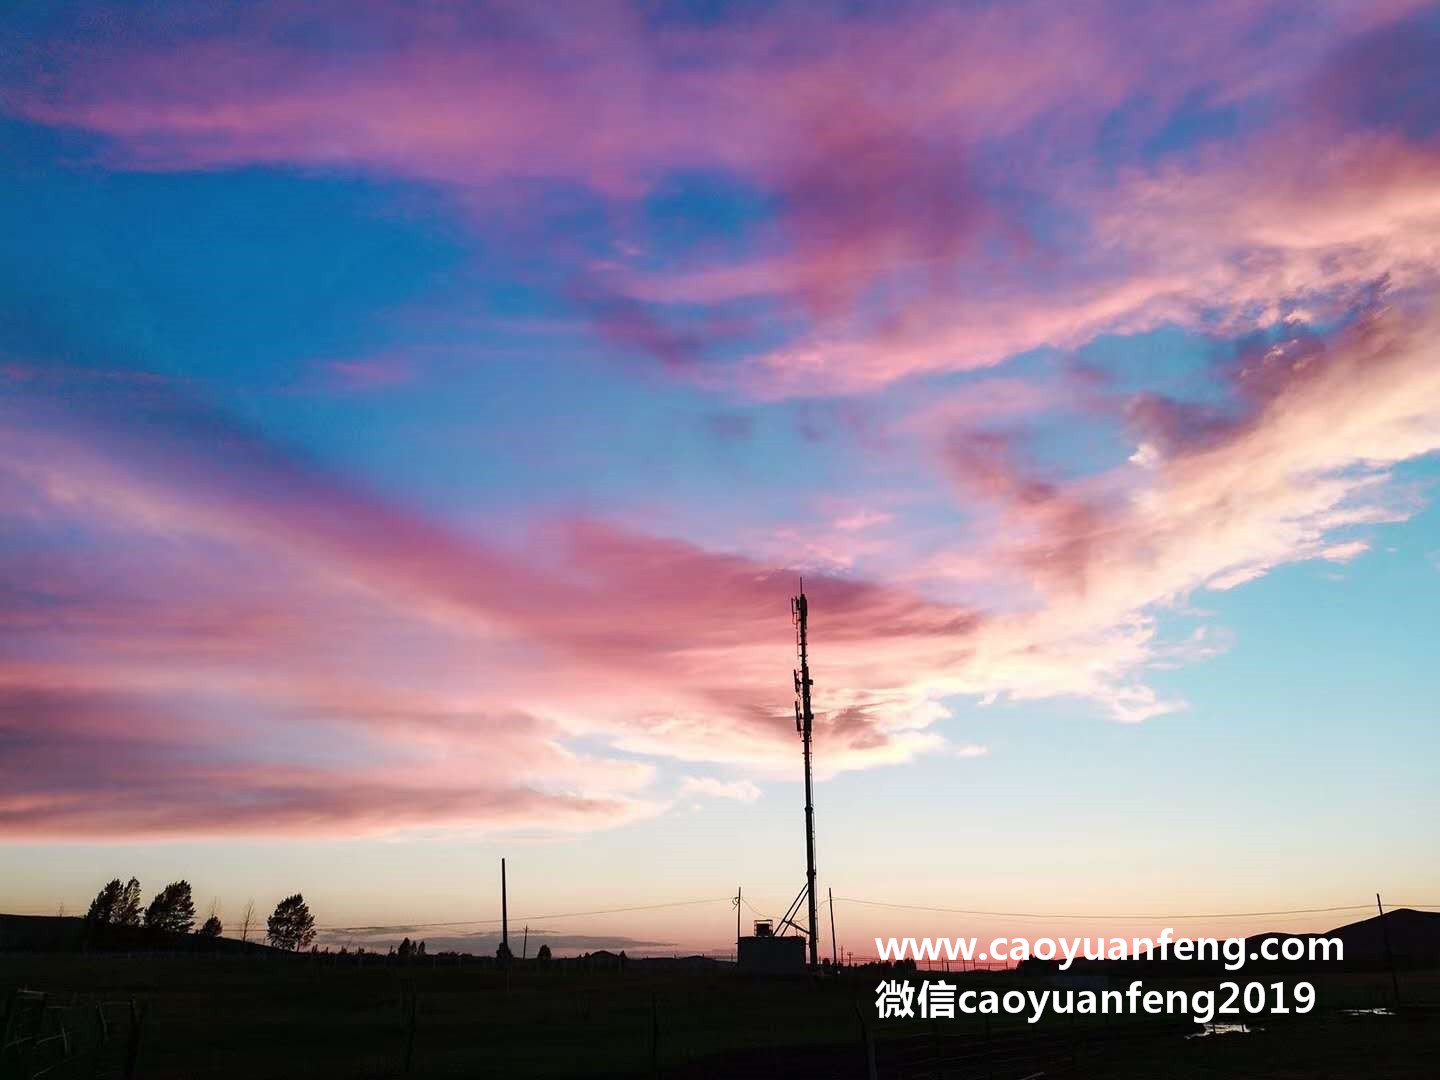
(416, 418)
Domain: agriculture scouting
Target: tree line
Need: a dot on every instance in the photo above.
(290, 926)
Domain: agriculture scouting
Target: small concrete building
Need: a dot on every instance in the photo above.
(767, 954)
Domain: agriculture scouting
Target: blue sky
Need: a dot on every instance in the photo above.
(414, 425)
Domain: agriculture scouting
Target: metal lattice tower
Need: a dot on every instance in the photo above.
(804, 719)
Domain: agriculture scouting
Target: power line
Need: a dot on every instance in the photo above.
(868, 903)
(528, 918)
(1203, 915)
(753, 911)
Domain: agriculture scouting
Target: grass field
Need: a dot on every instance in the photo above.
(209, 1017)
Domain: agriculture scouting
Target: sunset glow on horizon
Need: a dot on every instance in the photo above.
(414, 420)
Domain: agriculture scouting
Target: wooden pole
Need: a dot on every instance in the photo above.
(834, 952)
(867, 1037)
(739, 897)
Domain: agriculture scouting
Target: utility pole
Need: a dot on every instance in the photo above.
(834, 952)
(525, 943)
(504, 913)
(804, 718)
(739, 895)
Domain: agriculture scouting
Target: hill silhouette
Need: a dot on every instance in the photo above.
(1414, 938)
(67, 934)
(1414, 941)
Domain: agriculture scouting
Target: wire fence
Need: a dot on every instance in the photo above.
(42, 1036)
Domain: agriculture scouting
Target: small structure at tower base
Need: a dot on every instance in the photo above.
(766, 954)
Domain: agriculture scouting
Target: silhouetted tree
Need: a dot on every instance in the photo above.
(291, 926)
(420, 949)
(102, 908)
(212, 927)
(247, 919)
(405, 949)
(127, 910)
(172, 909)
(543, 956)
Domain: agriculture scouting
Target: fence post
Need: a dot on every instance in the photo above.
(654, 1034)
(868, 1038)
(411, 1007)
(132, 1050)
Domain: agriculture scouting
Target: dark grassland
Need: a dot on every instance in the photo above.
(253, 1017)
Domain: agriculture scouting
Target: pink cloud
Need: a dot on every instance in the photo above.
(863, 519)
(1297, 227)
(207, 634)
(890, 234)
(229, 632)
(1213, 505)
(370, 373)
(1351, 549)
(709, 787)
(257, 613)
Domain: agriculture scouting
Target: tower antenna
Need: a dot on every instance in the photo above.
(804, 719)
(502, 954)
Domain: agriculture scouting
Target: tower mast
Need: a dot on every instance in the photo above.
(804, 718)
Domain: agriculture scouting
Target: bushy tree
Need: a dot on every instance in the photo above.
(127, 911)
(405, 949)
(543, 956)
(173, 909)
(420, 949)
(212, 927)
(291, 926)
(102, 908)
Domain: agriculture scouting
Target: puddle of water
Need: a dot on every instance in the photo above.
(1223, 1029)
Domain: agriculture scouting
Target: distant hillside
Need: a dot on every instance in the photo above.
(1414, 939)
(1414, 943)
(52, 933)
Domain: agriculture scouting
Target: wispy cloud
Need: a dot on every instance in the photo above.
(709, 787)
